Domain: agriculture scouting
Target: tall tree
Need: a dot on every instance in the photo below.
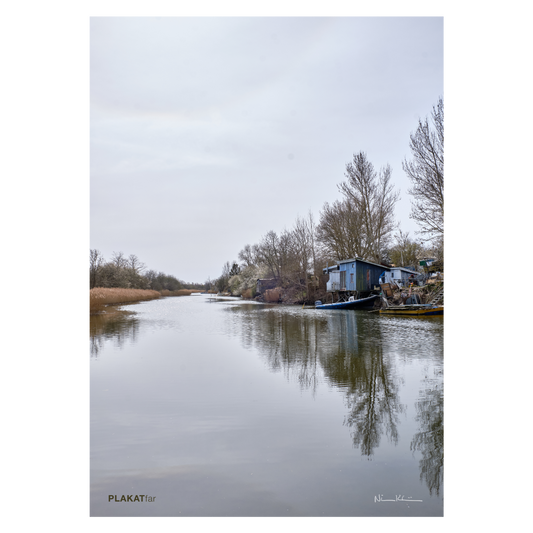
(304, 243)
(269, 254)
(134, 264)
(340, 230)
(95, 267)
(248, 255)
(374, 198)
(426, 172)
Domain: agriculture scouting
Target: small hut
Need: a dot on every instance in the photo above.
(400, 276)
(354, 276)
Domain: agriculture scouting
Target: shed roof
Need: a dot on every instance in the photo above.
(405, 270)
(358, 259)
(361, 260)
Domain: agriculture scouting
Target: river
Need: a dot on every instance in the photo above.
(205, 407)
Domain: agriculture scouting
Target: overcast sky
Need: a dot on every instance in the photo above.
(206, 133)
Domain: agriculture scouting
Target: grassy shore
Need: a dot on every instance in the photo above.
(101, 297)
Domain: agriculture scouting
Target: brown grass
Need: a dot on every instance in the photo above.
(179, 292)
(101, 297)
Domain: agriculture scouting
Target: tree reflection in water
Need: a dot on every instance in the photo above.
(116, 326)
(429, 440)
(343, 347)
(371, 397)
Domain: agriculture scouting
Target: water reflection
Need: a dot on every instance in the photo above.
(115, 326)
(429, 439)
(288, 342)
(385, 379)
(344, 349)
(371, 395)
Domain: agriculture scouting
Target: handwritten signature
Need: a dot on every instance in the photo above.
(399, 498)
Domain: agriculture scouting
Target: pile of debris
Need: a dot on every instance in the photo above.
(431, 293)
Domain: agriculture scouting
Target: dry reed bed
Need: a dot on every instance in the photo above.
(101, 297)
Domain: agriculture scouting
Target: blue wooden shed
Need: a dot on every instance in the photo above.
(354, 275)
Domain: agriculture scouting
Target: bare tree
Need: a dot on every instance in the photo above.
(405, 251)
(268, 253)
(374, 198)
(277, 254)
(426, 172)
(134, 269)
(340, 231)
(304, 253)
(95, 266)
(304, 237)
(302, 245)
(311, 229)
(288, 260)
(223, 280)
(119, 260)
(135, 265)
(248, 255)
(115, 272)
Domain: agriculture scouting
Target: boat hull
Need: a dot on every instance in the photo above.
(413, 310)
(363, 303)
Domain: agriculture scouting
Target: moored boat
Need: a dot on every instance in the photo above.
(361, 303)
(413, 310)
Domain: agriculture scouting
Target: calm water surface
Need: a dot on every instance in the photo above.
(229, 408)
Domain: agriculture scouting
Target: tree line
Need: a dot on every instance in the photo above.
(130, 273)
(360, 224)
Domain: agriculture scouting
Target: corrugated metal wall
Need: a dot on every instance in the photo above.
(361, 276)
(367, 276)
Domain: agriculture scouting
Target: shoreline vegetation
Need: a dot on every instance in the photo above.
(361, 224)
(125, 280)
(101, 297)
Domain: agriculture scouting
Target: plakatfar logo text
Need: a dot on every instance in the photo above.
(131, 498)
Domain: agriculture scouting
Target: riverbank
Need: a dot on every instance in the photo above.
(101, 297)
(285, 295)
(433, 293)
